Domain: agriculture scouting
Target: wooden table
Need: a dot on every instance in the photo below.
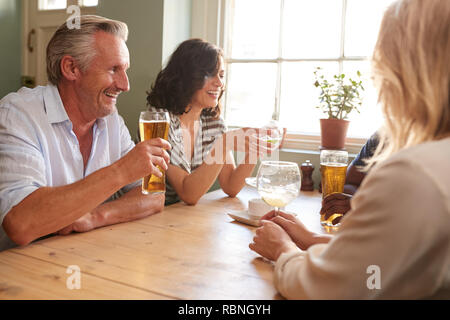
(185, 252)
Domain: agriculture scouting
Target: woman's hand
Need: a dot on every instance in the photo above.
(296, 230)
(271, 241)
(252, 141)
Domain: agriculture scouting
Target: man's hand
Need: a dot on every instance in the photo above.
(335, 203)
(83, 224)
(144, 158)
(271, 241)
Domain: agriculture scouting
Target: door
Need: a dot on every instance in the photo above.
(40, 19)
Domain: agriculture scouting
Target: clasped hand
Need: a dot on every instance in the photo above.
(83, 224)
(280, 232)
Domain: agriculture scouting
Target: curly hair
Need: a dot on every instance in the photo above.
(189, 65)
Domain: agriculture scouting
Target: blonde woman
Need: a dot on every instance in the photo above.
(395, 242)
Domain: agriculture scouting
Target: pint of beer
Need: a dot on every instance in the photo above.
(154, 125)
(333, 168)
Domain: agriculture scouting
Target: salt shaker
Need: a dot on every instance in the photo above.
(307, 169)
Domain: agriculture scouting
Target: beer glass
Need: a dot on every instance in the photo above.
(154, 125)
(333, 169)
(278, 182)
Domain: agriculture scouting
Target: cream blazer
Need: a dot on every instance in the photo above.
(393, 244)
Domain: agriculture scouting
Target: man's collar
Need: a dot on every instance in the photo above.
(56, 112)
(54, 105)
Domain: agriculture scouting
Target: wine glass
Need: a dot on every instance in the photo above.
(274, 137)
(269, 134)
(278, 182)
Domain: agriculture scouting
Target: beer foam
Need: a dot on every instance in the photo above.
(154, 121)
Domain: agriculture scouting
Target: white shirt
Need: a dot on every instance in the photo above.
(393, 244)
(39, 148)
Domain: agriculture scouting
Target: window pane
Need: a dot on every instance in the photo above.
(255, 29)
(363, 124)
(362, 21)
(299, 96)
(89, 3)
(311, 29)
(52, 4)
(250, 93)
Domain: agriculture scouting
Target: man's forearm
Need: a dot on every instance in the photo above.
(49, 209)
(131, 206)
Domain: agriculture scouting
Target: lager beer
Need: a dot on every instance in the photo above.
(333, 178)
(333, 169)
(154, 125)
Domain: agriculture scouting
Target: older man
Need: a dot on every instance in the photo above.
(64, 150)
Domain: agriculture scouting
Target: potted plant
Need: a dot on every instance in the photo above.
(337, 99)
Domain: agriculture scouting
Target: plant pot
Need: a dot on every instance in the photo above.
(333, 133)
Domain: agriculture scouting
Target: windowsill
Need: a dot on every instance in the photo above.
(310, 143)
(311, 152)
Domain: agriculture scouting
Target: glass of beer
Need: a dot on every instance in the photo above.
(333, 168)
(154, 125)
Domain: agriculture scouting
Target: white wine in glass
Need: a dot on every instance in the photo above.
(271, 133)
(278, 182)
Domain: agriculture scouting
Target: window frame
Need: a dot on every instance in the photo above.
(79, 3)
(209, 21)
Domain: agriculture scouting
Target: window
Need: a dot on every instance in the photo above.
(63, 4)
(88, 3)
(272, 48)
(52, 4)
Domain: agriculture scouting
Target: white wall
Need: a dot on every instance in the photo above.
(177, 25)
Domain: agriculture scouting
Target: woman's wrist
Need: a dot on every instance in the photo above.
(287, 247)
(316, 238)
(310, 238)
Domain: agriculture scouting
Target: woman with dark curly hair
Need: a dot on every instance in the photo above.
(189, 88)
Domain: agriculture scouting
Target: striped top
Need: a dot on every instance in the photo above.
(209, 129)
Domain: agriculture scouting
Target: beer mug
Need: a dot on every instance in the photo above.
(333, 169)
(154, 125)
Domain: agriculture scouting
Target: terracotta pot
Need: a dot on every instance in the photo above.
(333, 133)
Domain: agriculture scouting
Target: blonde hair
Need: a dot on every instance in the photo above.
(411, 72)
(79, 43)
